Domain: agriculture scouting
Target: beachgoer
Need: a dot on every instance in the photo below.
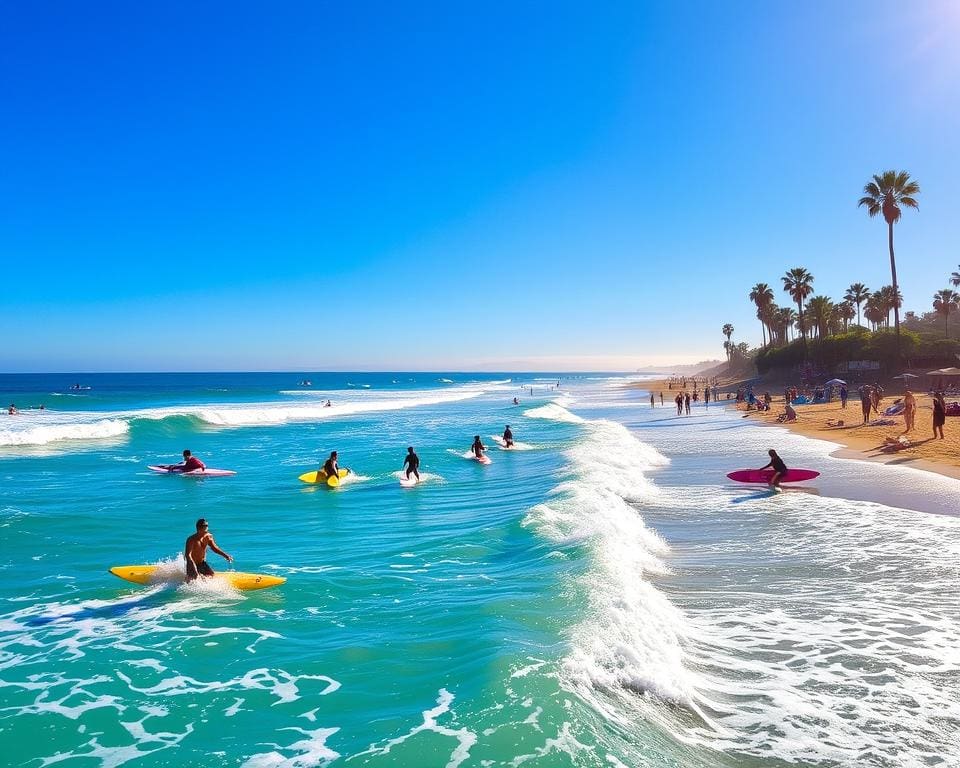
(843, 396)
(679, 401)
(706, 396)
(939, 414)
(877, 397)
(686, 402)
(508, 437)
(478, 447)
(330, 466)
(516, 401)
(791, 414)
(412, 462)
(779, 468)
(327, 404)
(195, 551)
(12, 410)
(653, 403)
(189, 464)
(661, 398)
(866, 403)
(909, 410)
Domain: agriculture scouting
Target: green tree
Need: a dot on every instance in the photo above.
(727, 331)
(887, 194)
(820, 308)
(846, 313)
(762, 296)
(799, 284)
(955, 278)
(857, 293)
(945, 302)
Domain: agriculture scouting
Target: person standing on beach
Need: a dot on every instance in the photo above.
(661, 398)
(866, 403)
(412, 463)
(843, 395)
(652, 402)
(909, 411)
(686, 402)
(939, 414)
(679, 401)
(706, 396)
(195, 551)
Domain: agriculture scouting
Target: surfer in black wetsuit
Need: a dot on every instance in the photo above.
(412, 462)
(330, 466)
(779, 468)
(507, 437)
(478, 447)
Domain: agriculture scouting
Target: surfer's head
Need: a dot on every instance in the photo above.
(333, 454)
(771, 453)
(202, 524)
(186, 454)
(409, 449)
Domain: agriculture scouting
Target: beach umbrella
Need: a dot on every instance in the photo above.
(906, 376)
(835, 382)
(949, 371)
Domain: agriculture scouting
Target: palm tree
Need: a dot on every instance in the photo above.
(873, 311)
(785, 317)
(891, 300)
(727, 331)
(857, 293)
(887, 193)
(955, 278)
(820, 308)
(762, 296)
(799, 284)
(846, 313)
(945, 302)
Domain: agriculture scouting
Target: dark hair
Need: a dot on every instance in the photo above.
(186, 452)
(332, 454)
(410, 448)
(201, 523)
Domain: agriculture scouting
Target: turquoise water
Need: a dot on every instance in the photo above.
(601, 597)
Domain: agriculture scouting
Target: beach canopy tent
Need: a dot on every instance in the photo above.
(835, 382)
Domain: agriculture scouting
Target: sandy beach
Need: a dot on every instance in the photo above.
(858, 440)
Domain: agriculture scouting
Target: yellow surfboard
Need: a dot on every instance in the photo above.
(147, 574)
(321, 477)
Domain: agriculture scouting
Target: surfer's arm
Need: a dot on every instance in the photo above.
(766, 466)
(224, 555)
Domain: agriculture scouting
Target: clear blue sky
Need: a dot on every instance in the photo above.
(452, 185)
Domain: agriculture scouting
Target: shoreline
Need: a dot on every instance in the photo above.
(853, 439)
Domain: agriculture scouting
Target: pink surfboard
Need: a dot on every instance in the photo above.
(194, 473)
(483, 459)
(764, 475)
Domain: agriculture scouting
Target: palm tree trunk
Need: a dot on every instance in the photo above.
(858, 313)
(896, 292)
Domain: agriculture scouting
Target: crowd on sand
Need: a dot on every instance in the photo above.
(883, 424)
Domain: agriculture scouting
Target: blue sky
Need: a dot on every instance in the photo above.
(455, 186)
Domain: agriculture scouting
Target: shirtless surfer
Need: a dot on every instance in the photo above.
(507, 437)
(195, 551)
(478, 447)
(330, 466)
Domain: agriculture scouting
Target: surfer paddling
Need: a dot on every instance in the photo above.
(779, 468)
(195, 551)
(189, 464)
(411, 463)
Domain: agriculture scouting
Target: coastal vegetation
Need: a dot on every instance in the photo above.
(828, 333)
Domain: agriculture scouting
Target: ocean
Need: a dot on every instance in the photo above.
(602, 596)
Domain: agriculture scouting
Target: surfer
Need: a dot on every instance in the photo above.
(189, 463)
(779, 468)
(516, 401)
(330, 466)
(412, 463)
(327, 404)
(507, 437)
(195, 551)
(478, 447)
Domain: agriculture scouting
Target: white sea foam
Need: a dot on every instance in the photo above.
(312, 750)
(554, 412)
(631, 638)
(38, 429)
